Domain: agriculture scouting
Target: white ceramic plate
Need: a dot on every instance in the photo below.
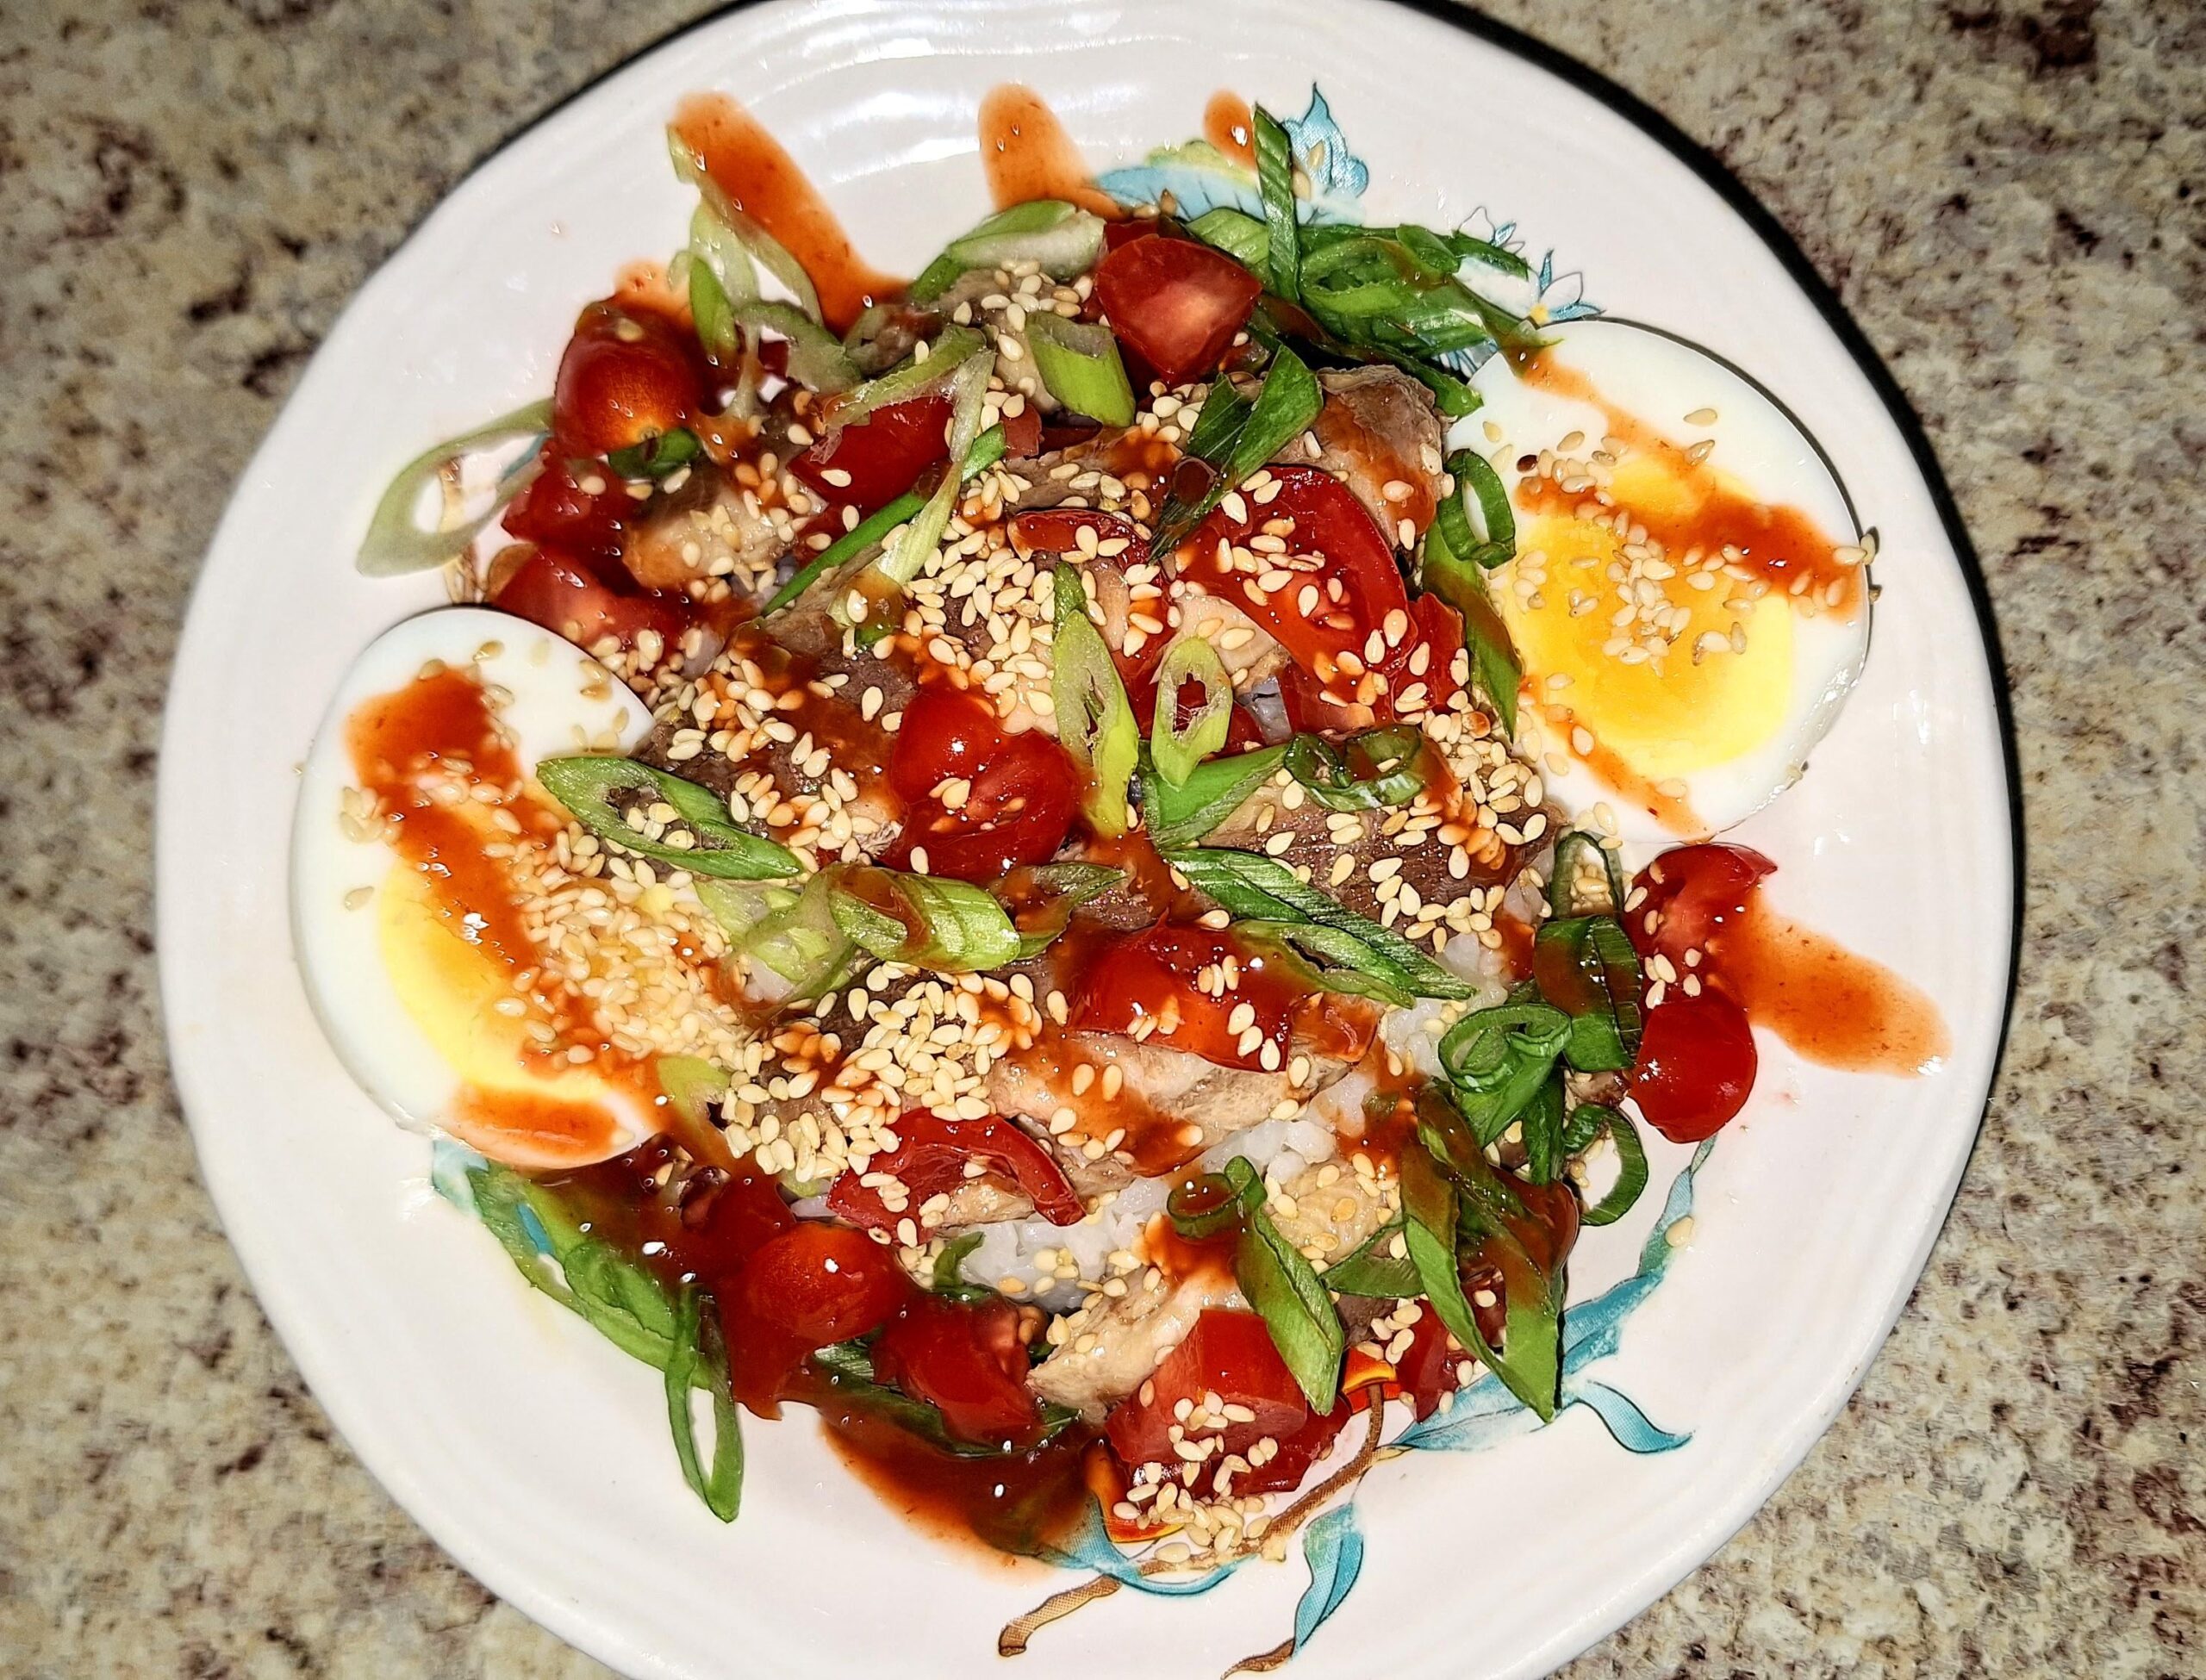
(536, 1453)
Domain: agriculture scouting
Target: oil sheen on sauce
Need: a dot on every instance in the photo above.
(437, 731)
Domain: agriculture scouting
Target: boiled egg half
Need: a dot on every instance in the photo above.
(416, 811)
(1690, 598)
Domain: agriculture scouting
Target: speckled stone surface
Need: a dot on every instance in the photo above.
(2009, 197)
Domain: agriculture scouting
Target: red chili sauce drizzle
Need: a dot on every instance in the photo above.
(1230, 126)
(761, 179)
(1028, 154)
(436, 728)
(1830, 1005)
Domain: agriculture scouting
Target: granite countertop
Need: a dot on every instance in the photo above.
(2008, 195)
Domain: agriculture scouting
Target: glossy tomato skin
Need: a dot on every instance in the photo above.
(1692, 893)
(1697, 1065)
(560, 509)
(968, 1361)
(1157, 975)
(1231, 1354)
(586, 601)
(930, 1159)
(1359, 588)
(812, 1286)
(627, 374)
(1022, 795)
(1176, 302)
(882, 455)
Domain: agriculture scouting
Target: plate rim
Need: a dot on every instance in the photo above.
(570, 1620)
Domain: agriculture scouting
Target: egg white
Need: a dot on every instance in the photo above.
(1659, 380)
(365, 941)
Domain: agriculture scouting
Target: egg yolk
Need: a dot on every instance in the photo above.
(514, 1104)
(1668, 676)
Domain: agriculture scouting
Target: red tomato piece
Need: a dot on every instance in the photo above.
(1692, 894)
(1022, 434)
(741, 1216)
(1158, 976)
(1437, 631)
(823, 1283)
(812, 1286)
(556, 509)
(870, 463)
(1428, 1370)
(1697, 1064)
(1176, 302)
(968, 1362)
(1230, 1354)
(1359, 591)
(584, 602)
(1022, 794)
(627, 375)
(929, 1160)
(1057, 530)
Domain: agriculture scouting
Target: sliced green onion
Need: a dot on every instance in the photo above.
(1080, 366)
(1495, 669)
(710, 311)
(721, 1488)
(1283, 410)
(1575, 845)
(1095, 721)
(1378, 769)
(626, 1303)
(952, 349)
(1605, 1007)
(1176, 749)
(1259, 888)
(951, 927)
(659, 456)
(1062, 238)
(1373, 1269)
(791, 934)
(988, 450)
(1041, 898)
(817, 360)
(1212, 791)
(1586, 1124)
(1322, 959)
(1499, 1058)
(1202, 1207)
(1542, 1122)
(912, 550)
(396, 544)
(741, 231)
(1284, 1289)
(1475, 476)
(949, 1278)
(1429, 1221)
(1238, 235)
(1275, 182)
(1224, 412)
(586, 786)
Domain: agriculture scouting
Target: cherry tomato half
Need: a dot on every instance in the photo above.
(1019, 800)
(1176, 303)
(1228, 1354)
(627, 375)
(586, 601)
(1326, 618)
(1693, 893)
(576, 505)
(870, 463)
(1696, 1063)
(929, 1160)
(1160, 976)
(968, 1362)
